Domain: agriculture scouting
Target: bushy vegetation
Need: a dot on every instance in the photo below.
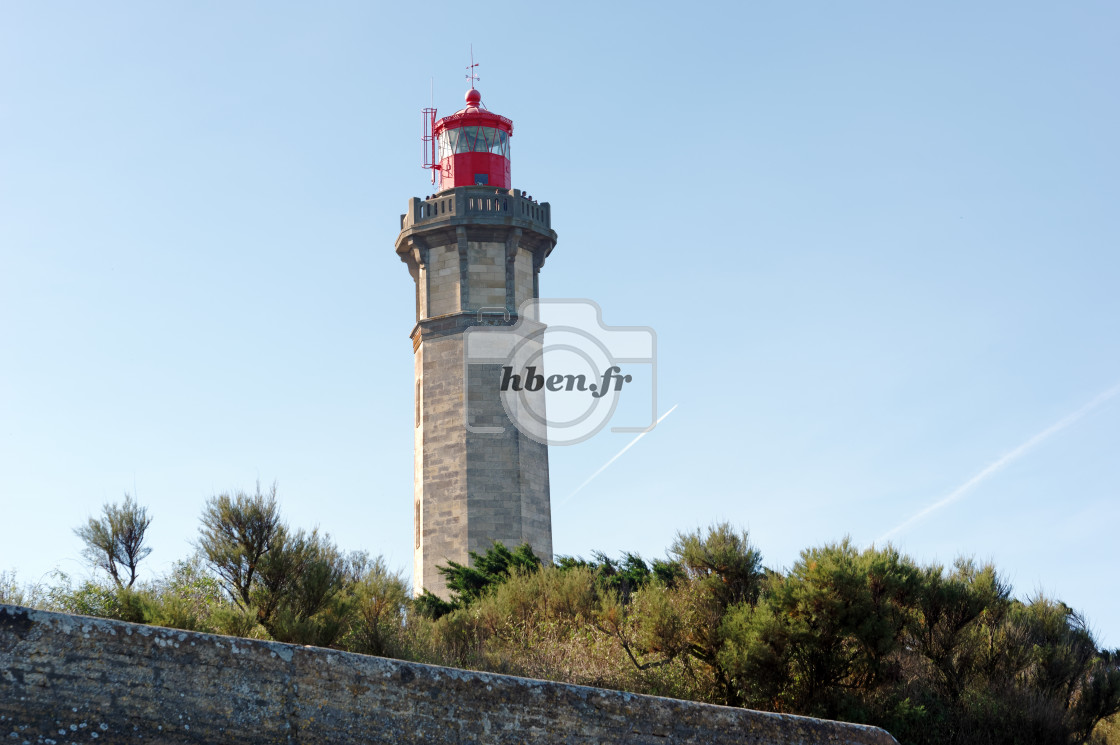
(934, 654)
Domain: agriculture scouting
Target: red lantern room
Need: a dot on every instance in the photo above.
(473, 146)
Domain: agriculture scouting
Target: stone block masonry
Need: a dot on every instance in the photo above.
(475, 255)
(75, 679)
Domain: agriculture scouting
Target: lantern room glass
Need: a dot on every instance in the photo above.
(473, 140)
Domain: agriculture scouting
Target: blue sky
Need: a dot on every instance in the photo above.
(878, 244)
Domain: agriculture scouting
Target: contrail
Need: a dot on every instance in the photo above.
(618, 455)
(1010, 457)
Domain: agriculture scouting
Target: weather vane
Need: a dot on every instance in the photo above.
(471, 76)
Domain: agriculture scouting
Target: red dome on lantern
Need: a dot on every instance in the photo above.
(473, 146)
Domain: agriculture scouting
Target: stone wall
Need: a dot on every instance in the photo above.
(74, 679)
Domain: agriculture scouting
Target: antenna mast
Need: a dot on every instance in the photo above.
(428, 134)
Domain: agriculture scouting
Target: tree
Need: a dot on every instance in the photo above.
(724, 561)
(498, 564)
(826, 635)
(237, 532)
(292, 583)
(115, 542)
(626, 575)
(300, 594)
(381, 600)
(679, 616)
(947, 626)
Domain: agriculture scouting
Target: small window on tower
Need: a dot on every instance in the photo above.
(481, 179)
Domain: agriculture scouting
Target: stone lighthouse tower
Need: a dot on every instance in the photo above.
(474, 250)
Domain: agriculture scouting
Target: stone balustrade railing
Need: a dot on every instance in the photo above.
(478, 203)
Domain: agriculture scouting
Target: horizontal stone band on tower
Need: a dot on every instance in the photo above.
(66, 678)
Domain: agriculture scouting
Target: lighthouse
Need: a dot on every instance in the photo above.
(474, 249)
